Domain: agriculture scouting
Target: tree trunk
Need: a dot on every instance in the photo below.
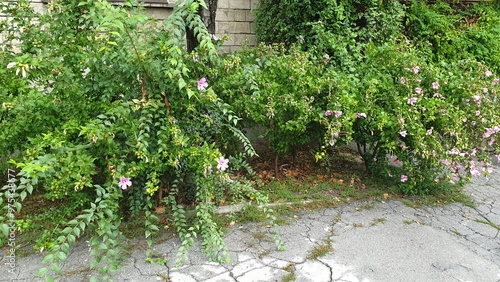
(208, 19)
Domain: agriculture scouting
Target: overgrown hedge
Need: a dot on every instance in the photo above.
(117, 121)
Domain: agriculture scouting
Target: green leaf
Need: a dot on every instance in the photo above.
(48, 258)
(73, 222)
(182, 83)
(67, 230)
(56, 268)
(4, 228)
(61, 256)
(76, 231)
(71, 238)
(42, 271)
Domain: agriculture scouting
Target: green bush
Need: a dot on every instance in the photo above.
(97, 106)
(371, 47)
(328, 25)
(276, 89)
(449, 31)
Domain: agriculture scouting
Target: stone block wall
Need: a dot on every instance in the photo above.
(38, 5)
(235, 19)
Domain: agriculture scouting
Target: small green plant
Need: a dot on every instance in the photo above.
(378, 221)
(155, 258)
(321, 250)
(487, 222)
(289, 277)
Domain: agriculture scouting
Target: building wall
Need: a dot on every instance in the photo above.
(234, 20)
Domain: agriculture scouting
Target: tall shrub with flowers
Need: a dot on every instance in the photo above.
(420, 123)
(134, 123)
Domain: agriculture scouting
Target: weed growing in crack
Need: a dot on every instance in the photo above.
(377, 221)
(321, 250)
(496, 226)
(290, 276)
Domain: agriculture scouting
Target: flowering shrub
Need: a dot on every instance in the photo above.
(126, 118)
(434, 123)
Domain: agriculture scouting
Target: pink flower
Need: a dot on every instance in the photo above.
(338, 114)
(474, 171)
(436, 180)
(485, 90)
(332, 142)
(491, 131)
(402, 80)
(359, 115)
(403, 133)
(495, 81)
(124, 183)
(435, 85)
(437, 95)
(488, 73)
(429, 131)
(478, 113)
(335, 134)
(404, 178)
(412, 100)
(222, 163)
(418, 90)
(454, 151)
(202, 84)
(416, 69)
(328, 113)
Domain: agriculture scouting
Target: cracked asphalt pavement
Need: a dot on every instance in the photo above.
(363, 240)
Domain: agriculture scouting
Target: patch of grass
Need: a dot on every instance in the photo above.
(321, 250)
(289, 277)
(251, 214)
(357, 225)
(261, 236)
(408, 222)
(290, 267)
(263, 254)
(367, 206)
(377, 221)
(456, 232)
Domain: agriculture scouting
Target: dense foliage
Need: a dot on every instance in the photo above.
(116, 120)
(413, 83)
